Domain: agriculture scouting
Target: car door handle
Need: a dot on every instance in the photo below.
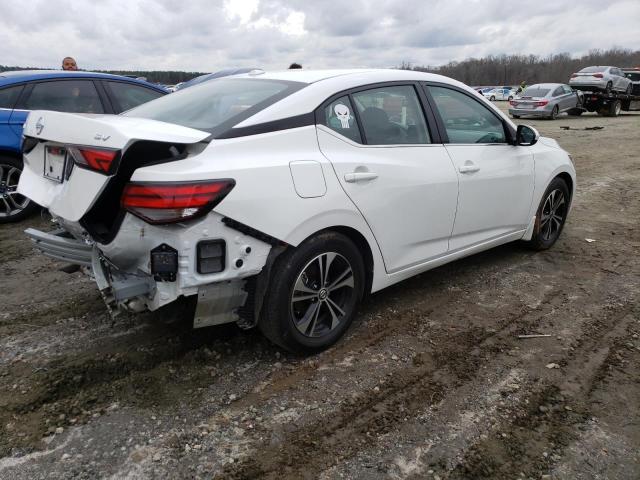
(354, 177)
(468, 168)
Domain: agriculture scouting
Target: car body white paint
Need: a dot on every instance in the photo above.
(420, 211)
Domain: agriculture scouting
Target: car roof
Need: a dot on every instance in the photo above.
(546, 85)
(322, 84)
(21, 76)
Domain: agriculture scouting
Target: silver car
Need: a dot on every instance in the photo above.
(545, 100)
(609, 79)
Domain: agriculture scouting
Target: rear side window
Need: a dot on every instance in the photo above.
(338, 116)
(75, 96)
(218, 104)
(567, 89)
(465, 119)
(129, 96)
(392, 116)
(9, 96)
(558, 91)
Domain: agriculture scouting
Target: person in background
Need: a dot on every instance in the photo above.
(69, 63)
(522, 86)
(294, 66)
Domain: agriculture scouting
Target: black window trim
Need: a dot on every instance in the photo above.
(509, 130)
(30, 85)
(427, 112)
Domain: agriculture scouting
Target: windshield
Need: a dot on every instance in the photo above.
(633, 76)
(535, 92)
(216, 104)
(593, 69)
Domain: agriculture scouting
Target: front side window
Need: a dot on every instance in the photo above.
(74, 96)
(465, 119)
(216, 104)
(129, 96)
(339, 116)
(9, 96)
(392, 116)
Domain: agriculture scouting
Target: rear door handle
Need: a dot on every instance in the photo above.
(468, 167)
(354, 177)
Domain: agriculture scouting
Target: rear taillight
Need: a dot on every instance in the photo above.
(96, 159)
(541, 103)
(512, 103)
(174, 202)
(574, 75)
(598, 75)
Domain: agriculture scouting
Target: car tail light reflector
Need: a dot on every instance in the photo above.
(99, 160)
(598, 75)
(574, 75)
(541, 103)
(160, 203)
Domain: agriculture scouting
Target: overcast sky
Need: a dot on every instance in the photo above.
(203, 35)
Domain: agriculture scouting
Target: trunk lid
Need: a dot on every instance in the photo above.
(50, 177)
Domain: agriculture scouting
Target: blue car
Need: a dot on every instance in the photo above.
(62, 91)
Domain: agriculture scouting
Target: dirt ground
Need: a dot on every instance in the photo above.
(430, 382)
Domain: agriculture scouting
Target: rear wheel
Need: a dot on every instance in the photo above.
(551, 215)
(313, 294)
(554, 113)
(493, 99)
(608, 88)
(13, 206)
(629, 89)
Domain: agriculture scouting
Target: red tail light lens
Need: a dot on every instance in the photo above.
(160, 203)
(574, 75)
(598, 75)
(541, 103)
(96, 159)
(512, 103)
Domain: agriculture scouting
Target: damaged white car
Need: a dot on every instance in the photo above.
(279, 200)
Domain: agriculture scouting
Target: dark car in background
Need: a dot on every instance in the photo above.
(62, 91)
(633, 74)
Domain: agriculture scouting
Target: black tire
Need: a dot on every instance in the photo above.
(493, 99)
(613, 110)
(515, 116)
(312, 323)
(575, 112)
(554, 113)
(550, 219)
(609, 88)
(13, 207)
(629, 89)
(510, 98)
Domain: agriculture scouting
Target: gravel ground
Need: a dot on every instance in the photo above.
(430, 382)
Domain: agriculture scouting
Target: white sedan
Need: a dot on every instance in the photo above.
(278, 200)
(499, 94)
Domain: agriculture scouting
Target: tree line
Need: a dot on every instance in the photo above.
(513, 69)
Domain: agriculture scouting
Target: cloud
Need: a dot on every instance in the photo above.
(201, 35)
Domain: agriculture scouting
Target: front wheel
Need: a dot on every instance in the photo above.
(551, 215)
(314, 293)
(13, 206)
(608, 88)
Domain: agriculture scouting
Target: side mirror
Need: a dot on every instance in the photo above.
(526, 136)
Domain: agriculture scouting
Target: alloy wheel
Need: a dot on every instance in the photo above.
(553, 214)
(11, 202)
(321, 294)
